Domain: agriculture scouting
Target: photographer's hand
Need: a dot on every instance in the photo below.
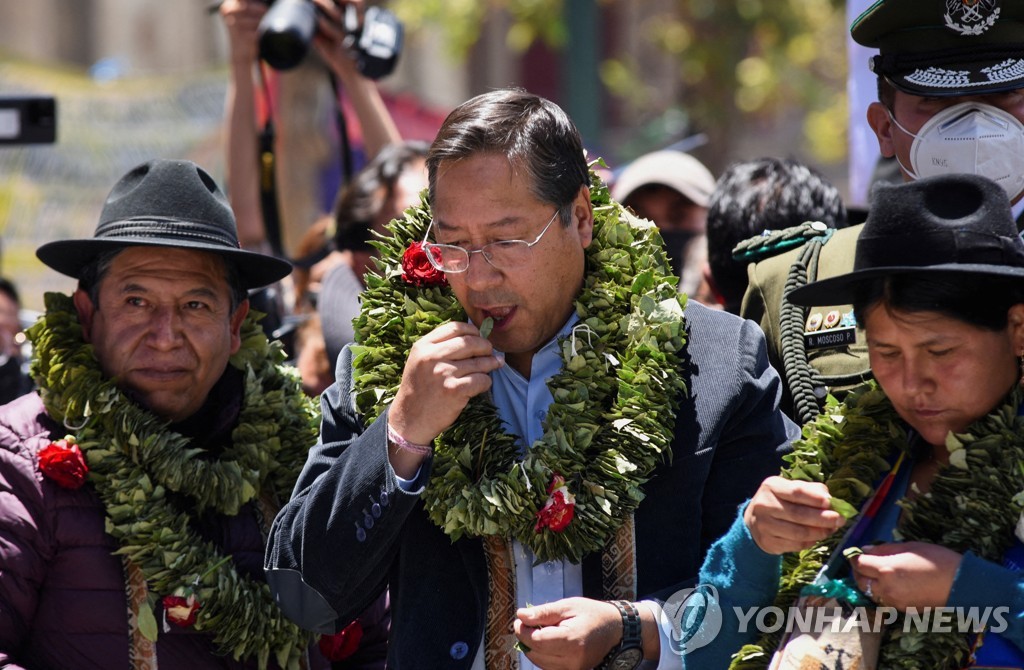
(242, 19)
(378, 127)
(330, 39)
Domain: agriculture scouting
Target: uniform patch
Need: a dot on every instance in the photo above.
(827, 339)
(831, 330)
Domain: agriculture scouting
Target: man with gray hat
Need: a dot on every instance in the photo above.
(950, 100)
(165, 432)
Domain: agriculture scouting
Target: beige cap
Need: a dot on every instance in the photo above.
(675, 169)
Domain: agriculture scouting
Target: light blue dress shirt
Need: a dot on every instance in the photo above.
(522, 404)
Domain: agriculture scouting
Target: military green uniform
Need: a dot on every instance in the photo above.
(814, 355)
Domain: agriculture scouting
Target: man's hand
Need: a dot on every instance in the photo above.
(570, 634)
(445, 368)
(907, 574)
(786, 515)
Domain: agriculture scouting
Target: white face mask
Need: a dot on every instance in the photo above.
(969, 137)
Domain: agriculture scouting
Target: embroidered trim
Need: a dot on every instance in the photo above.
(970, 15)
(1010, 70)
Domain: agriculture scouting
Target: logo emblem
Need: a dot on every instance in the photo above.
(695, 618)
(971, 17)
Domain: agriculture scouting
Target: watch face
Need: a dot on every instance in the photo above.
(627, 659)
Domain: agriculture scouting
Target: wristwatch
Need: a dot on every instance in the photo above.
(629, 653)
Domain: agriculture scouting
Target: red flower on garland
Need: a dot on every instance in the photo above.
(181, 609)
(63, 462)
(341, 645)
(559, 509)
(417, 270)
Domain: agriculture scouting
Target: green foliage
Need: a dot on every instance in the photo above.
(155, 485)
(613, 410)
(462, 19)
(740, 62)
(973, 504)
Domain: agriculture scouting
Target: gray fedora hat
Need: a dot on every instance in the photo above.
(959, 223)
(166, 203)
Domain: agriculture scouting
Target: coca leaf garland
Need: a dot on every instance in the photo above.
(135, 462)
(849, 448)
(613, 411)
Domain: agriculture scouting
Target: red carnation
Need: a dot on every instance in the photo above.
(181, 610)
(63, 462)
(417, 270)
(559, 509)
(341, 645)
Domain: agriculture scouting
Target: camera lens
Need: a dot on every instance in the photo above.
(286, 32)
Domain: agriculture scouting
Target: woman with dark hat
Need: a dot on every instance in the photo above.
(901, 506)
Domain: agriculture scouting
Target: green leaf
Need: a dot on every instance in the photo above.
(486, 327)
(958, 458)
(147, 622)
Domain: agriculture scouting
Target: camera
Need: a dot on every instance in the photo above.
(30, 119)
(287, 29)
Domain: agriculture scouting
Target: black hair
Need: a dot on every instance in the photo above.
(362, 199)
(8, 288)
(758, 195)
(93, 272)
(886, 93)
(982, 301)
(534, 134)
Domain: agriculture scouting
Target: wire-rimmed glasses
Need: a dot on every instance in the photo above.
(503, 255)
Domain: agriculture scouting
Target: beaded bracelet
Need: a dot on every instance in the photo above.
(405, 445)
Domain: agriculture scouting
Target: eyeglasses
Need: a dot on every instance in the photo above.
(503, 255)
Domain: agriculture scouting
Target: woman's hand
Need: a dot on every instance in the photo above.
(786, 515)
(907, 574)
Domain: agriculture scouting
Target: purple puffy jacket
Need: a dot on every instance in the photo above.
(62, 593)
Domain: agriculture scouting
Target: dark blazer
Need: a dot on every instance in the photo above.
(350, 531)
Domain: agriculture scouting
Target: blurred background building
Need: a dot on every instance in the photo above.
(136, 79)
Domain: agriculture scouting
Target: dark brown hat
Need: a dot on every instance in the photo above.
(945, 47)
(949, 223)
(166, 203)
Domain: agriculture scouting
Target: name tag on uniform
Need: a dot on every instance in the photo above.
(834, 329)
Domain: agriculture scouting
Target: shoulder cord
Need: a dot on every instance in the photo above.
(772, 242)
(800, 376)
